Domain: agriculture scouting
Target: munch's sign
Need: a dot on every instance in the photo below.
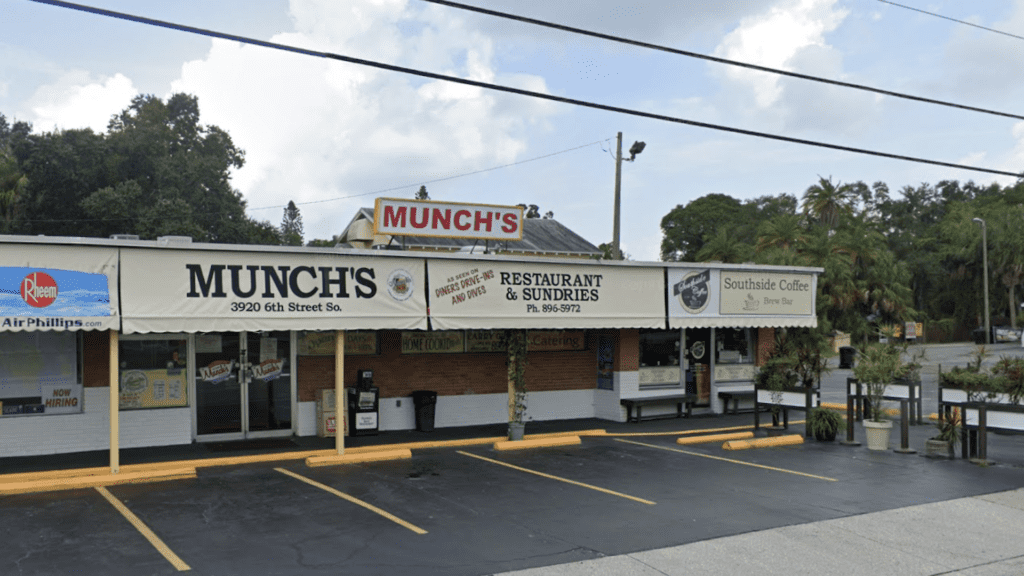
(178, 290)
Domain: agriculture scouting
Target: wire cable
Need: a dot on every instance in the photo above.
(436, 179)
(648, 45)
(945, 18)
(510, 90)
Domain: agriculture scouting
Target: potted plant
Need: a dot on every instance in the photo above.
(823, 424)
(880, 365)
(515, 342)
(947, 436)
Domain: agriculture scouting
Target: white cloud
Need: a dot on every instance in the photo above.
(316, 129)
(776, 38)
(76, 100)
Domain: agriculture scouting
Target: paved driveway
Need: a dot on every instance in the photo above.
(474, 510)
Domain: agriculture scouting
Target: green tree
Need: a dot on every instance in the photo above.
(685, 227)
(422, 194)
(291, 225)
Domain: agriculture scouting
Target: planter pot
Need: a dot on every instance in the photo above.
(878, 434)
(516, 430)
(938, 448)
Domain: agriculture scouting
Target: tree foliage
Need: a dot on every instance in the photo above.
(156, 171)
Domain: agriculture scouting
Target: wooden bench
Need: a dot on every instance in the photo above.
(735, 396)
(680, 400)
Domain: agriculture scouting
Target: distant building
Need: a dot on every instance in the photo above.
(541, 237)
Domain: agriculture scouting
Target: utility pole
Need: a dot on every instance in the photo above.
(618, 191)
(635, 149)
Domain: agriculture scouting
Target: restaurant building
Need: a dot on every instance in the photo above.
(180, 342)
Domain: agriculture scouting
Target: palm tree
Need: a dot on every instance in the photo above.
(785, 231)
(828, 203)
(724, 246)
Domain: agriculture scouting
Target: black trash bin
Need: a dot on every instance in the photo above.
(846, 356)
(979, 335)
(425, 402)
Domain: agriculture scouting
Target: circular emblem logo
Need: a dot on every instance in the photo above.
(693, 291)
(38, 289)
(400, 285)
(697, 350)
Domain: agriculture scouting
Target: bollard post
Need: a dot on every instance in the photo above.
(850, 441)
(905, 428)
(982, 442)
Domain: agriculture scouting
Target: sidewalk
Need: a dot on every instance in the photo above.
(977, 536)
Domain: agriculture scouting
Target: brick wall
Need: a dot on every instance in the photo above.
(627, 350)
(397, 374)
(765, 344)
(96, 358)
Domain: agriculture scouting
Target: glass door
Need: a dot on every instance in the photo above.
(243, 385)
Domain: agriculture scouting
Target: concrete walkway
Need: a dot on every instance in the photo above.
(977, 536)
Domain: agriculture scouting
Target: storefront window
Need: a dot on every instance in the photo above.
(734, 346)
(153, 373)
(40, 373)
(659, 348)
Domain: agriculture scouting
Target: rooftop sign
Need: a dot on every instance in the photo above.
(447, 219)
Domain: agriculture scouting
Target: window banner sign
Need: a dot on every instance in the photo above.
(39, 373)
(58, 289)
(476, 294)
(171, 290)
(712, 297)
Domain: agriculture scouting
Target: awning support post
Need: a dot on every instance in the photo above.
(115, 401)
(340, 418)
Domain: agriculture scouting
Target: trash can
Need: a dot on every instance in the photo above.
(846, 356)
(979, 335)
(425, 402)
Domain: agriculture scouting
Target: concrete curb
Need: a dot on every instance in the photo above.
(92, 481)
(714, 438)
(548, 442)
(356, 458)
(789, 440)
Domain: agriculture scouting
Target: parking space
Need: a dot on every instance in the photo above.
(471, 510)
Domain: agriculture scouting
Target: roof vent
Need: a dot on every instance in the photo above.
(173, 240)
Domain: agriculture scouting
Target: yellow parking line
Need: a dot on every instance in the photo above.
(727, 460)
(567, 481)
(149, 535)
(353, 500)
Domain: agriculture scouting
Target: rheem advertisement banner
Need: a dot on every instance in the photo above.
(707, 297)
(475, 294)
(58, 288)
(169, 290)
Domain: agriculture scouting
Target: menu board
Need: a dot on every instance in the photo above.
(161, 388)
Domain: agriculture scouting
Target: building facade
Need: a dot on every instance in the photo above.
(179, 342)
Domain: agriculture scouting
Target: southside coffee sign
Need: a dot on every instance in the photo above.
(735, 298)
(204, 291)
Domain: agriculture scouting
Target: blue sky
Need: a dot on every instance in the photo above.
(315, 130)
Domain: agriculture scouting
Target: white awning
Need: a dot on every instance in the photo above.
(479, 294)
(168, 290)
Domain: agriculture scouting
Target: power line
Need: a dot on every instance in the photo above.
(641, 44)
(519, 91)
(437, 179)
(945, 18)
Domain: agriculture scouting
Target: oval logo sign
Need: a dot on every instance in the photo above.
(38, 289)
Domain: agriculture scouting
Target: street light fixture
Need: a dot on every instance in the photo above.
(984, 258)
(635, 149)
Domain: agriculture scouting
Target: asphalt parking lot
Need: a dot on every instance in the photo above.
(473, 510)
